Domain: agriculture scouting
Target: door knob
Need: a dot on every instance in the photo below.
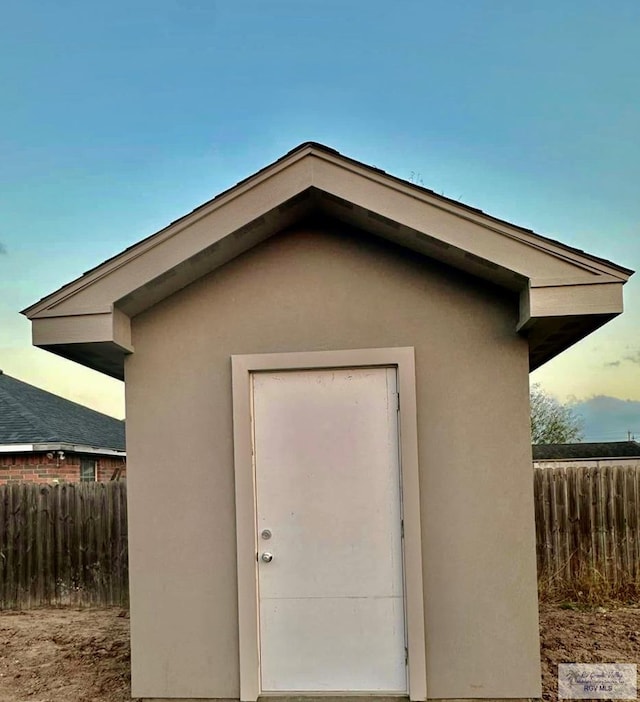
(267, 557)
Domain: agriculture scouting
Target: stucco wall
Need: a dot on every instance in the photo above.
(313, 289)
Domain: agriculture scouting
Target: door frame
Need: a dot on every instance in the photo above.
(403, 359)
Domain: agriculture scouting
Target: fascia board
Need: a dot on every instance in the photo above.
(16, 448)
(58, 446)
(79, 448)
(567, 280)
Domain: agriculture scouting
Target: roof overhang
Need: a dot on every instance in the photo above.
(564, 293)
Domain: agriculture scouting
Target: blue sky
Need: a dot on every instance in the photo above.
(119, 117)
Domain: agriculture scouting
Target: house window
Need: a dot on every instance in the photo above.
(87, 470)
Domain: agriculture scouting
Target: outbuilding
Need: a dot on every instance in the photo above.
(341, 502)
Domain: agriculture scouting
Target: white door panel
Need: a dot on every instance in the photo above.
(327, 486)
(365, 636)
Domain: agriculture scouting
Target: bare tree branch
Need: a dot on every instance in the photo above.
(551, 421)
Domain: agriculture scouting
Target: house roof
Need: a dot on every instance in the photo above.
(606, 449)
(565, 293)
(31, 417)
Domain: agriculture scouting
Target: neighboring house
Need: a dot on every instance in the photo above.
(322, 365)
(605, 453)
(45, 438)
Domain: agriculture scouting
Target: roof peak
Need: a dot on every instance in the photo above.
(313, 145)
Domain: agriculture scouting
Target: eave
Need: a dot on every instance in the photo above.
(61, 446)
(565, 293)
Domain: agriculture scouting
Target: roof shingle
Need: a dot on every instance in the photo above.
(29, 415)
(606, 449)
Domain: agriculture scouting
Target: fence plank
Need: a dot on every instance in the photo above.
(58, 538)
(120, 540)
(10, 591)
(636, 518)
(546, 524)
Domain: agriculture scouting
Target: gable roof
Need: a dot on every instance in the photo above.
(564, 293)
(605, 449)
(31, 417)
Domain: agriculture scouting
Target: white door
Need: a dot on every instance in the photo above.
(330, 576)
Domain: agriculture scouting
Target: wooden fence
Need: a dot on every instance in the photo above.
(63, 544)
(588, 526)
(67, 544)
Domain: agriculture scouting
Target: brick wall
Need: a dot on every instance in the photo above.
(48, 467)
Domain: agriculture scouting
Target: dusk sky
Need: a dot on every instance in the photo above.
(119, 117)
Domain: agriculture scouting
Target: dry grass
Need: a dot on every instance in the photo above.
(588, 587)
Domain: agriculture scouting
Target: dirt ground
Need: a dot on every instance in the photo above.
(67, 655)
(64, 655)
(595, 635)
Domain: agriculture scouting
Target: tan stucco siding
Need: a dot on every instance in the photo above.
(314, 290)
